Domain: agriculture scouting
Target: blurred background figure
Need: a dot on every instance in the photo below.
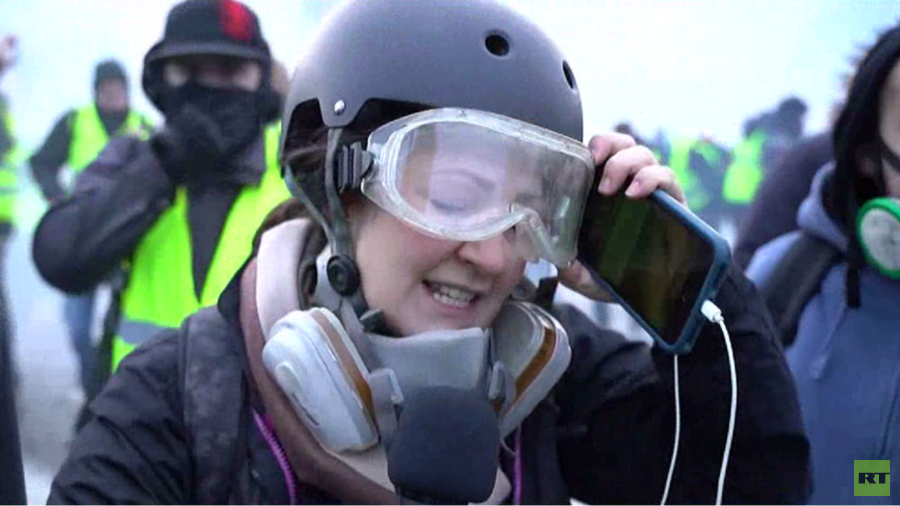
(8, 191)
(773, 211)
(699, 163)
(765, 140)
(75, 140)
(12, 482)
(626, 128)
(708, 161)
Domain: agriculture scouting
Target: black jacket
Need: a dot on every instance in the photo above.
(774, 209)
(116, 200)
(604, 436)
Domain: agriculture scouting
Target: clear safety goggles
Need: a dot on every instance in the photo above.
(467, 175)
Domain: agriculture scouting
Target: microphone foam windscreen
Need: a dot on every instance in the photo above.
(446, 447)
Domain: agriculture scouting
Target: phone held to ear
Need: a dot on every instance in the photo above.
(659, 260)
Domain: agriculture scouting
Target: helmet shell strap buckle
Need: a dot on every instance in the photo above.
(352, 164)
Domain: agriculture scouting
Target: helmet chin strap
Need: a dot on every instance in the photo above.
(343, 277)
(342, 271)
(342, 242)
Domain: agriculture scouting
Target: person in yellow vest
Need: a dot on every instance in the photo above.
(81, 133)
(76, 139)
(179, 208)
(8, 187)
(765, 141)
(699, 164)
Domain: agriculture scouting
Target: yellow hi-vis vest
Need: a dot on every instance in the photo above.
(8, 165)
(89, 136)
(680, 163)
(160, 291)
(745, 172)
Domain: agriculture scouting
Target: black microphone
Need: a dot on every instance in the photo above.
(446, 447)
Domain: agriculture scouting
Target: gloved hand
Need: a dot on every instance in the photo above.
(204, 134)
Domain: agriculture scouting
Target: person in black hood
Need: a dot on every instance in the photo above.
(864, 147)
(77, 137)
(839, 315)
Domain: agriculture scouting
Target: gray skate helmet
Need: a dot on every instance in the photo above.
(477, 54)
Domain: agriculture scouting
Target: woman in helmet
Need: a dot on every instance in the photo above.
(380, 346)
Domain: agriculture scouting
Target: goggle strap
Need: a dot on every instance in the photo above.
(353, 163)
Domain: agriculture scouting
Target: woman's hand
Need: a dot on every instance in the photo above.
(621, 158)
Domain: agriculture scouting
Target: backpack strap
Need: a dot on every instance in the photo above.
(215, 389)
(795, 280)
(214, 393)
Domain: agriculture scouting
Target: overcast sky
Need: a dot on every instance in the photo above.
(688, 66)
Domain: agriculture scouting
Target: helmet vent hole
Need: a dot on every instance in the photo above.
(570, 77)
(497, 45)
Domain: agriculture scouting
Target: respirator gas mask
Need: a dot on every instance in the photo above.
(878, 221)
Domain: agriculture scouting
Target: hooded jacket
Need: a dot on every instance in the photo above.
(845, 361)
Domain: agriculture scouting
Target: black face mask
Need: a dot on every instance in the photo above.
(219, 121)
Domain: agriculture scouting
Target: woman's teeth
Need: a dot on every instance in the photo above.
(451, 296)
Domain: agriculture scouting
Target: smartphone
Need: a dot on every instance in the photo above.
(659, 260)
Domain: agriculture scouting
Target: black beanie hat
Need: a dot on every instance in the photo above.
(208, 27)
(221, 27)
(109, 69)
